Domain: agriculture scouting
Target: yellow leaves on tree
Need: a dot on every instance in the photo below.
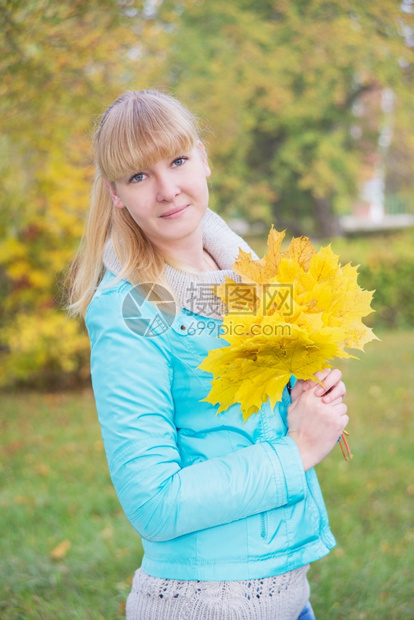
(292, 313)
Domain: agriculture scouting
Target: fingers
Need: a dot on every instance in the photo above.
(331, 383)
(315, 426)
(337, 391)
(334, 402)
(342, 416)
(338, 416)
(344, 419)
(321, 375)
(297, 390)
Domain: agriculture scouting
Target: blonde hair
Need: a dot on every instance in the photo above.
(136, 131)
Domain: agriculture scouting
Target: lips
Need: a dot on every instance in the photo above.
(175, 212)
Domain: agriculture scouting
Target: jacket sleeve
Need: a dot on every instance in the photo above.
(131, 377)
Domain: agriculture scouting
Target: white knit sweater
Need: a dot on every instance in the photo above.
(281, 597)
(274, 598)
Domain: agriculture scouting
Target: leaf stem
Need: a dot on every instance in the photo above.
(346, 450)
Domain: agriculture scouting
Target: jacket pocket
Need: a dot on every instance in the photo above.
(263, 524)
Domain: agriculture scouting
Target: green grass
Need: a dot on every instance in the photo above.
(370, 500)
(55, 487)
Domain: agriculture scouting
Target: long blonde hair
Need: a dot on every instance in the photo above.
(136, 131)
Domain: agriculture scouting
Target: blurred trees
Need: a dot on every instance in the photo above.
(281, 83)
(61, 65)
(277, 83)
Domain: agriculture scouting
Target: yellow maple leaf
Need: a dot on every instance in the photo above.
(262, 270)
(295, 311)
(300, 250)
(60, 550)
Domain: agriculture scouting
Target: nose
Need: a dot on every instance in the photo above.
(167, 188)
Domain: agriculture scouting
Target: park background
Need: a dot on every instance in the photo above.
(306, 108)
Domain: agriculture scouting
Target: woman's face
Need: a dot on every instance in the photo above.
(168, 199)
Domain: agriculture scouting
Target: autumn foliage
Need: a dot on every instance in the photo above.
(61, 65)
(302, 310)
(281, 85)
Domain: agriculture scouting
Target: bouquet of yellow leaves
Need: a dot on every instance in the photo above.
(293, 312)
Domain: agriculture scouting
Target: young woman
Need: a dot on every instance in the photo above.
(230, 512)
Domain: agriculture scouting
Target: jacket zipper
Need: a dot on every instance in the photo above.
(263, 515)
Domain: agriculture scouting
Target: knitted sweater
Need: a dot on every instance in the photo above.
(281, 597)
(274, 598)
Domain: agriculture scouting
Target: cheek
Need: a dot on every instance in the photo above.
(138, 202)
(202, 188)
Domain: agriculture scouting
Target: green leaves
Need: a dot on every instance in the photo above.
(279, 82)
(278, 87)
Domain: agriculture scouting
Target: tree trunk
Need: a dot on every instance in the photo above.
(327, 221)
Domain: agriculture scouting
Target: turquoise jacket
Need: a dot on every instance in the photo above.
(213, 497)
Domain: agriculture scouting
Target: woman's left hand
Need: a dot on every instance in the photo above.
(333, 387)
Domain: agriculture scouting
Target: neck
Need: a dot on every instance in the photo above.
(189, 252)
(220, 242)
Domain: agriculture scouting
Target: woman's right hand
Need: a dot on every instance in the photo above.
(316, 425)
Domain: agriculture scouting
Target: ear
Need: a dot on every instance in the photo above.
(203, 154)
(115, 198)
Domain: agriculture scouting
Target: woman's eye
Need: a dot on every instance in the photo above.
(179, 161)
(136, 178)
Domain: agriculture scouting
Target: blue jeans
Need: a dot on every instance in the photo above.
(307, 613)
